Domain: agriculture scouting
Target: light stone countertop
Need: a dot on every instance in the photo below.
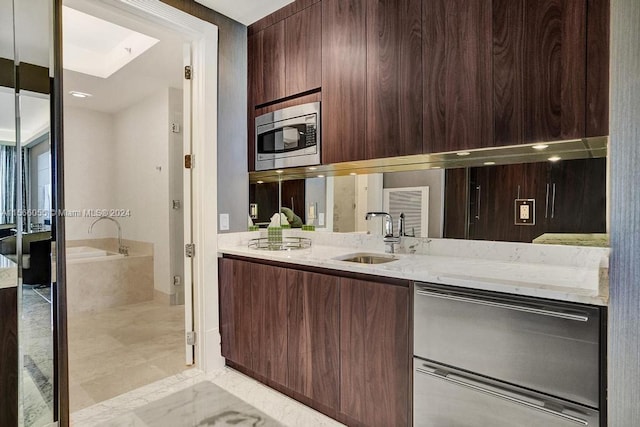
(573, 274)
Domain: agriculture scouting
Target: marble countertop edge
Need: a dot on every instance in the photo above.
(497, 276)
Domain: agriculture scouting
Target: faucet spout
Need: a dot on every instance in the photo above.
(388, 221)
(121, 248)
(389, 238)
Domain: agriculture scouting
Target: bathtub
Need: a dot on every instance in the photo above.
(80, 253)
(99, 278)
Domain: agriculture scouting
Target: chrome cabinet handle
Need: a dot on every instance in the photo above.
(478, 189)
(553, 200)
(504, 397)
(540, 311)
(546, 203)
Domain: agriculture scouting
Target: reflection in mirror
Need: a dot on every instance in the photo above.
(543, 202)
(9, 359)
(29, 174)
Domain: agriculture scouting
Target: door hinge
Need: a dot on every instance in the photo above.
(175, 128)
(189, 250)
(191, 338)
(187, 72)
(189, 161)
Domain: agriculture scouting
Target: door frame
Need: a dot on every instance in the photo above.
(204, 109)
(204, 41)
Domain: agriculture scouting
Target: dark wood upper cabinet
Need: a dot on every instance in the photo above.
(269, 322)
(539, 57)
(458, 90)
(374, 353)
(394, 78)
(313, 338)
(597, 68)
(303, 50)
(266, 50)
(344, 76)
(235, 310)
(403, 77)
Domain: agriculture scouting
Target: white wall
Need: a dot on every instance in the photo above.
(141, 168)
(88, 173)
(121, 161)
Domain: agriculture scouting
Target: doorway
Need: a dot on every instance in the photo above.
(128, 287)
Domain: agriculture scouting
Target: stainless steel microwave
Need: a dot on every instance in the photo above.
(289, 137)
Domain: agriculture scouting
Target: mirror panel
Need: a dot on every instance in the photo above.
(10, 374)
(31, 244)
(542, 202)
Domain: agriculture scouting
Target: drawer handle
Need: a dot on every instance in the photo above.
(504, 396)
(540, 311)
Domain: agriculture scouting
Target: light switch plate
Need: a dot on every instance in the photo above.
(525, 212)
(224, 222)
(321, 219)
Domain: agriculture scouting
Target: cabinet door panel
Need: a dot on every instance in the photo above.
(303, 50)
(313, 338)
(374, 348)
(597, 68)
(343, 80)
(235, 310)
(269, 321)
(267, 64)
(394, 78)
(554, 73)
(458, 90)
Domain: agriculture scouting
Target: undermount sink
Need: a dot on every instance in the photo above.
(367, 258)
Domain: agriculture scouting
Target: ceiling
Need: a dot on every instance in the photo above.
(245, 11)
(159, 67)
(34, 118)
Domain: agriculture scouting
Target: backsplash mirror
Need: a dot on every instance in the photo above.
(549, 202)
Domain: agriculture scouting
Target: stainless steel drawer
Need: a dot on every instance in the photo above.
(447, 398)
(545, 346)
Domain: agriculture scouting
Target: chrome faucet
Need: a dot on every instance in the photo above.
(388, 238)
(124, 250)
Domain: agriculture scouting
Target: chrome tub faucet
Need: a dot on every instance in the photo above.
(124, 250)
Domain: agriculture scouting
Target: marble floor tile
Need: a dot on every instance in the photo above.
(203, 404)
(129, 408)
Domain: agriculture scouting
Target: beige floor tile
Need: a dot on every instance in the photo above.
(123, 348)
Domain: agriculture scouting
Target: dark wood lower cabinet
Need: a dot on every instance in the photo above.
(314, 336)
(374, 349)
(340, 345)
(235, 310)
(9, 357)
(269, 321)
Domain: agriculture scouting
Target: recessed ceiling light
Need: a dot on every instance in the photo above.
(80, 94)
(554, 158)
(489, 163)
(320, 176)
(436, 167)
(539, 146)
(463, 153)
(353, 174)
(260, 182)
(279, 171)
(312, 168)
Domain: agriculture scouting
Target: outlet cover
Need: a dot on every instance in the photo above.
(525, 213)
(224, 222)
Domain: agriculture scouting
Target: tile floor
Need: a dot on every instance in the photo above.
(120, 349)
(130, 408)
